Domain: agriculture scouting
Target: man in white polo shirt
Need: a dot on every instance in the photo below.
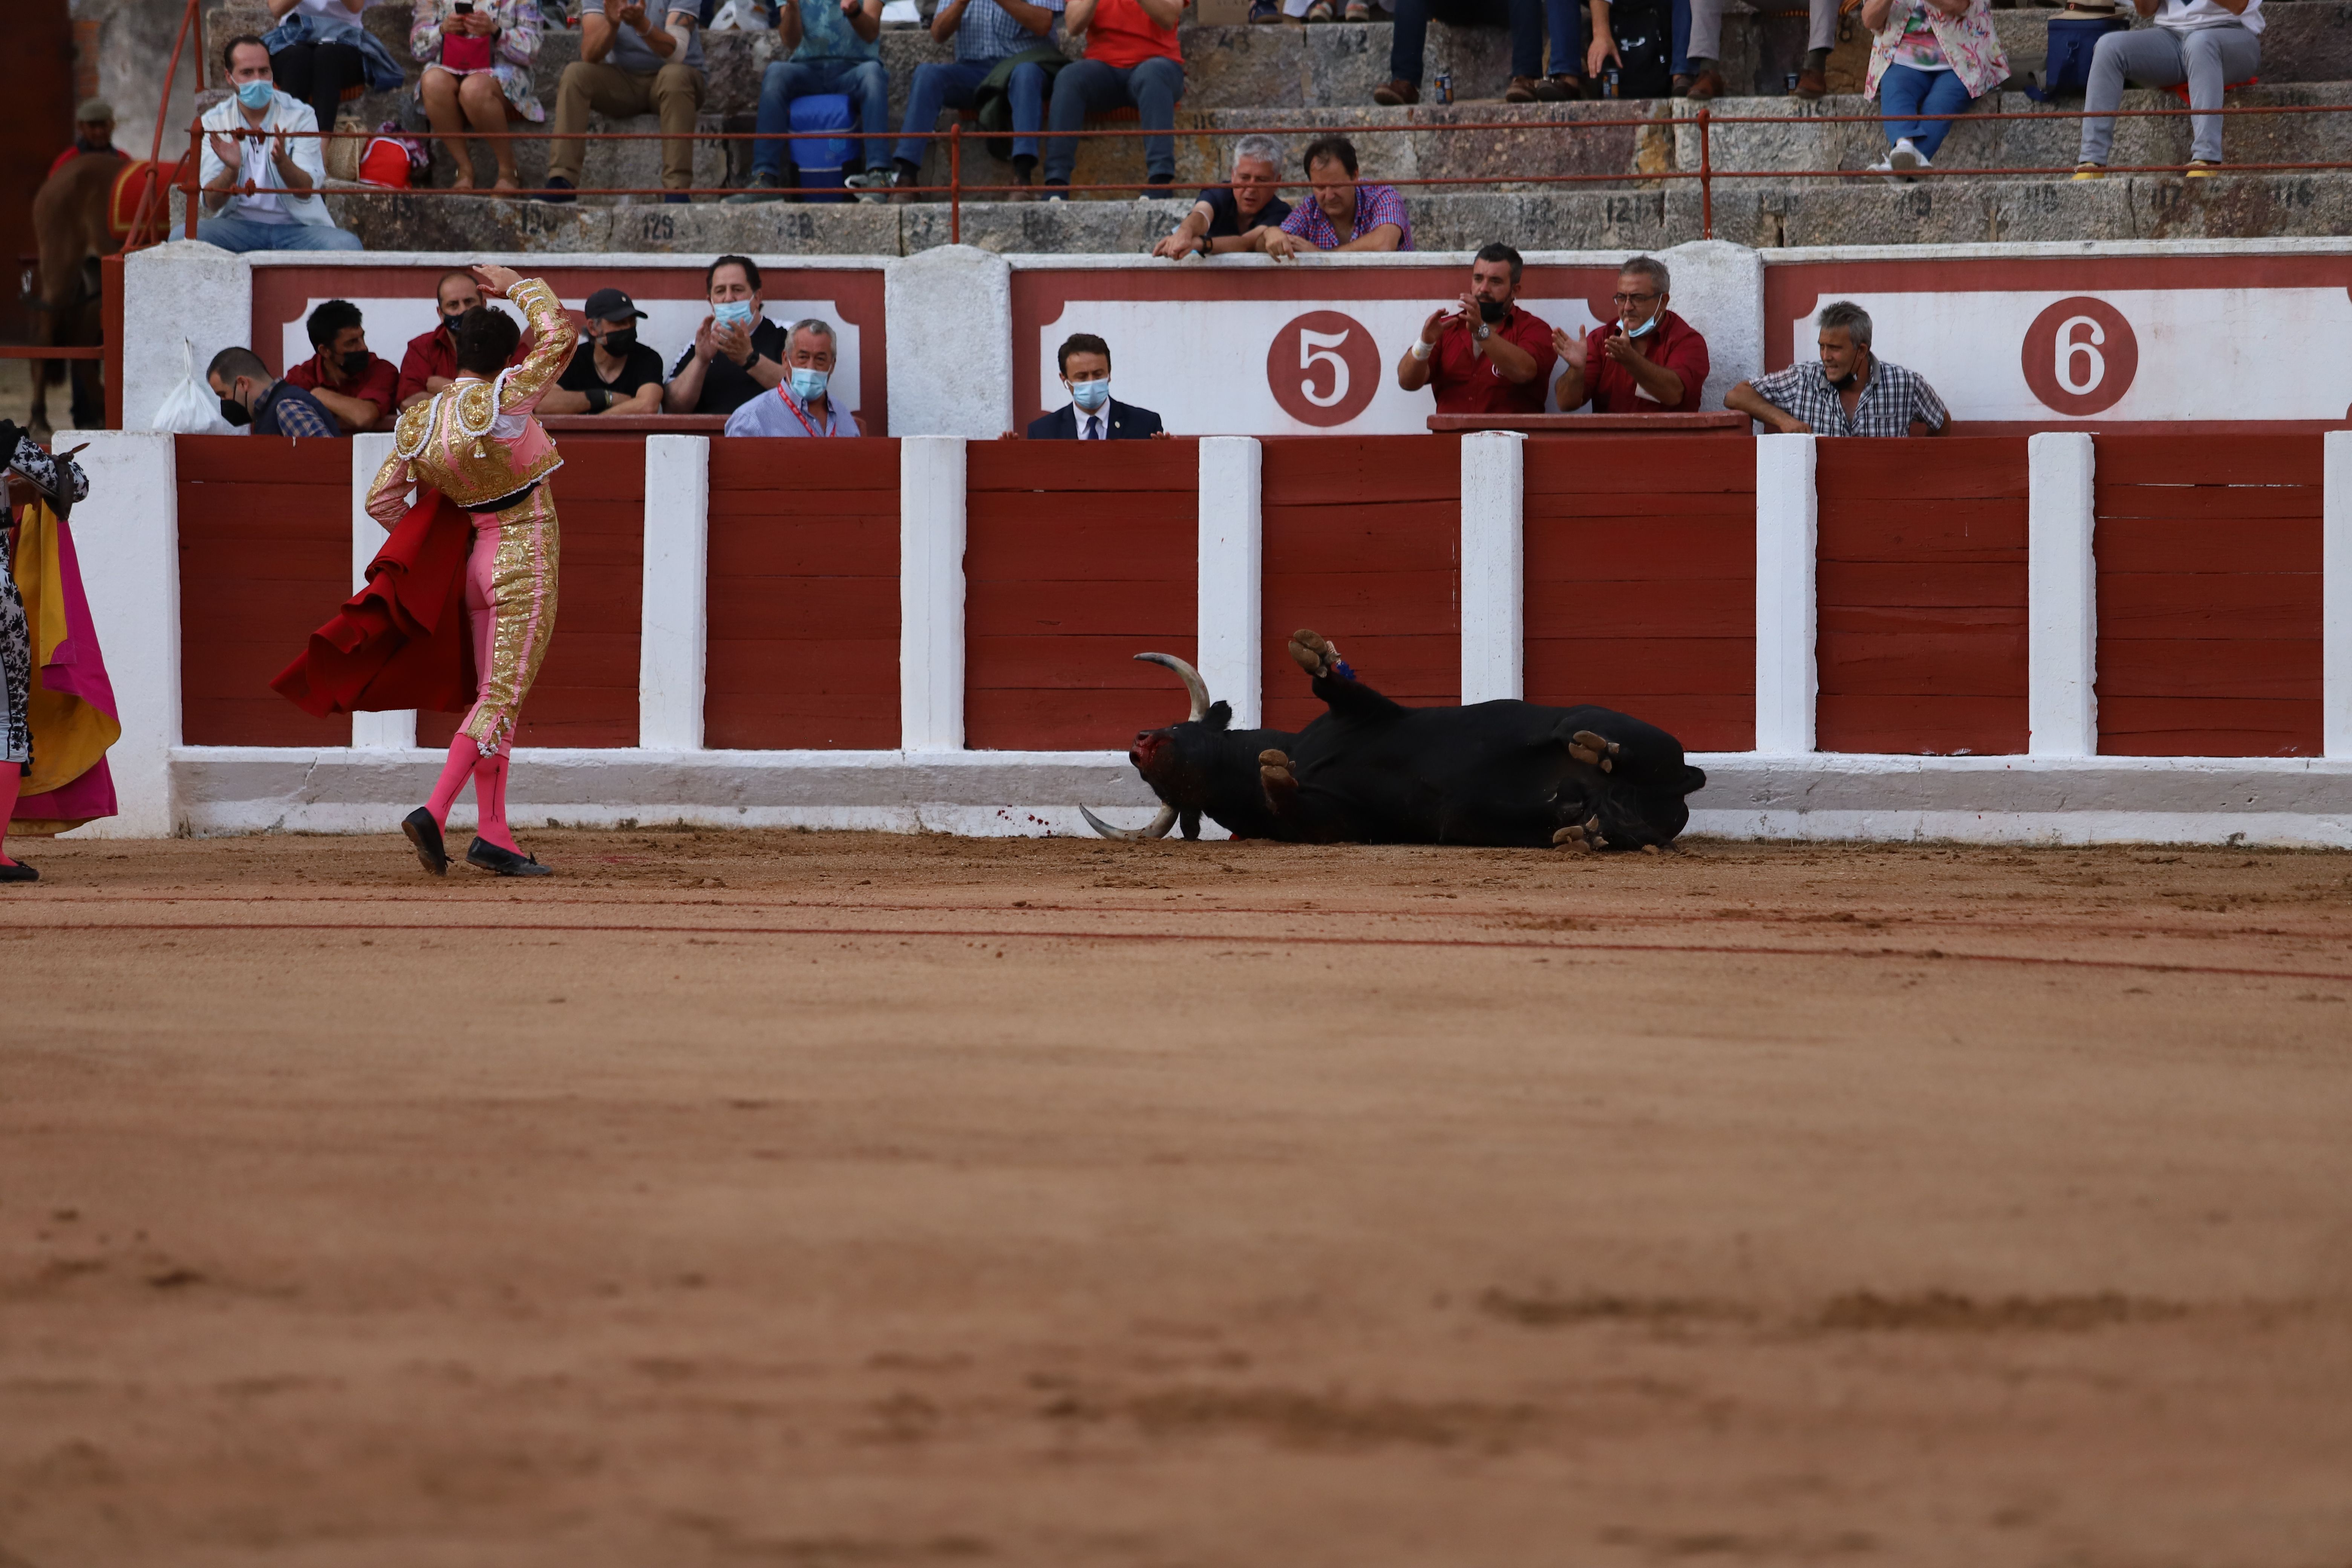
(801, 405)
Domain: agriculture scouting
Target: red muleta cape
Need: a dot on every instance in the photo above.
(401, 641)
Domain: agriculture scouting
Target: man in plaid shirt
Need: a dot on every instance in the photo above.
(1344, 214)
(1848, 392)
(250, 396)
(987, 34)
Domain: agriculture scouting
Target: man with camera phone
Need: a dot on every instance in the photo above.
(1484, 356)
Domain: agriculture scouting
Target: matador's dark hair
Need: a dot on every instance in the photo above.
(486, 340)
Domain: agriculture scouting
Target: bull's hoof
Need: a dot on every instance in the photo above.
(1593, 750)
(1274, 775)
(1315, 656)
(1650, 849)
(1569, 835)
(1585, 835)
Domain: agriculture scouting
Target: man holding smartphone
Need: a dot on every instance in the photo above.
(1647, 361)
(1483, 355)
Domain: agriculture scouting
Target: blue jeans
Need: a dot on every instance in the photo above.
(1904, 92)
(863, 80)
(241, 234)
(1564, 20)
(955, 86)
(1680, 27)
(1087, 86)
(1524, 18)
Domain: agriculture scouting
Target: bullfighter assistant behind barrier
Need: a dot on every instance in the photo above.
(477, 444)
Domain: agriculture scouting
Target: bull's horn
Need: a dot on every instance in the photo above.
(1158, 829)
(1194, 684)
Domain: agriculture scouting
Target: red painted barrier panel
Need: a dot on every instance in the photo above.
(265, 559)
(803, 596)
(1078, 556)
(1641, 580)
(587, 694)
(1922, 583)
(1363, 543)
(2208, 596)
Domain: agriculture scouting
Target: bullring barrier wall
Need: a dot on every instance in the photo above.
(1999, 638)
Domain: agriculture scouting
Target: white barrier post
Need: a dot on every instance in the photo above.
(2336, 598)
(1788, 539)
(1494, 565)
(1230, 598)
(2062, 612)
(673, 629)
(393, 729)
(930, 593)
(127, 537)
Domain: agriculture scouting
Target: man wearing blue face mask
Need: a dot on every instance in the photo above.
(738, 353)
(1647, 361)
(803, 405)
(1092, 414)
(261, 184)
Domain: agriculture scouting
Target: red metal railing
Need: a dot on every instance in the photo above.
(1704, 122)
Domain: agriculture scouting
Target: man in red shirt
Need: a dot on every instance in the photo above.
(93, 132)
(355, 386)
(1487, 355)
(431, 363)
(1132, 58)
(1647, 361)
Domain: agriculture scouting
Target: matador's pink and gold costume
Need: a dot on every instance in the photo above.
(478, 446)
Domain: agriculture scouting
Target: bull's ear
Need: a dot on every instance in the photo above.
(1220, 716)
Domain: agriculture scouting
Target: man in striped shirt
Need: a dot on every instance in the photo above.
(1849, 391)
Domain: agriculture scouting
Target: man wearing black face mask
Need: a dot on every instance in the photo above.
(1849, 391)
(611, 372)
(430, 365)
(250, 396)
(1484, 356)
(355, 386)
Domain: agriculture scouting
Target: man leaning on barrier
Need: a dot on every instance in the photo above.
(1848, 391)
(1648, 361)
(1236, 217)
(1344, 214)
(1486, 355)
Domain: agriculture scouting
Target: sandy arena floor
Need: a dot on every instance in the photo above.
(837, 1200)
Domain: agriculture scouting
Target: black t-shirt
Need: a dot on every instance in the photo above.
(642, 365)
(726, 385)
(1225, 213)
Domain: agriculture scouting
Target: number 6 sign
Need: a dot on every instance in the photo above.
(1323, 368)
(2080, 356)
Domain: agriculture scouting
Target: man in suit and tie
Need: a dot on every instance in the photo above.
(1092, 414)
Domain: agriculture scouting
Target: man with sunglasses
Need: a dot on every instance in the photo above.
(1647, 361)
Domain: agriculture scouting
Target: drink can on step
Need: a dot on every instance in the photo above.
(1445, 86)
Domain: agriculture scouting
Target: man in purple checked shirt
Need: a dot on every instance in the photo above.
(1344, 214)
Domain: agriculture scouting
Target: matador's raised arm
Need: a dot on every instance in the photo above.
(528, 381)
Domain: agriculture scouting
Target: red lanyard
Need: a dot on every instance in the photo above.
(795, 407)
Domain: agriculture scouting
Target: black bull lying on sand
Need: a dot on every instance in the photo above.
(1372, 771)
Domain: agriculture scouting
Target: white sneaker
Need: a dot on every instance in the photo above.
(1904, 158)
(1886, 168)
(870, 185)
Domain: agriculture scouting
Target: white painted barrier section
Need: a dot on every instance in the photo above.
(391, 729)
(931, 521)
(186, 289)
(1788, 538)
(1228, 588)
(673, 640)
(950, 333)
(2062, 597)
(127, 537)
(2336, 598)
(1494, 566)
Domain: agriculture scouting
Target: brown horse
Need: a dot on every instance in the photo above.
(84, 210)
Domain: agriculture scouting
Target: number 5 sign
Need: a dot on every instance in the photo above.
(2080, 356)
(1323, 368)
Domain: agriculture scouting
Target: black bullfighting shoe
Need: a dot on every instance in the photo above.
(18, 872)
(426, 834)
(505, 862)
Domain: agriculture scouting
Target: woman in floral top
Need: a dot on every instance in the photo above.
(478, 71)
(1930, 56)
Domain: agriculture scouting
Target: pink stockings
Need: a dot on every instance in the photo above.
(489, 776)
(12, 779)
(466, 758)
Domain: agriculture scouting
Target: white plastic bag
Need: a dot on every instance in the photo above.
(191, 408)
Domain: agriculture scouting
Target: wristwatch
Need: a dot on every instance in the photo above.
(1482, 331)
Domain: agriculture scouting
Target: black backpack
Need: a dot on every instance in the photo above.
(1644, 48)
